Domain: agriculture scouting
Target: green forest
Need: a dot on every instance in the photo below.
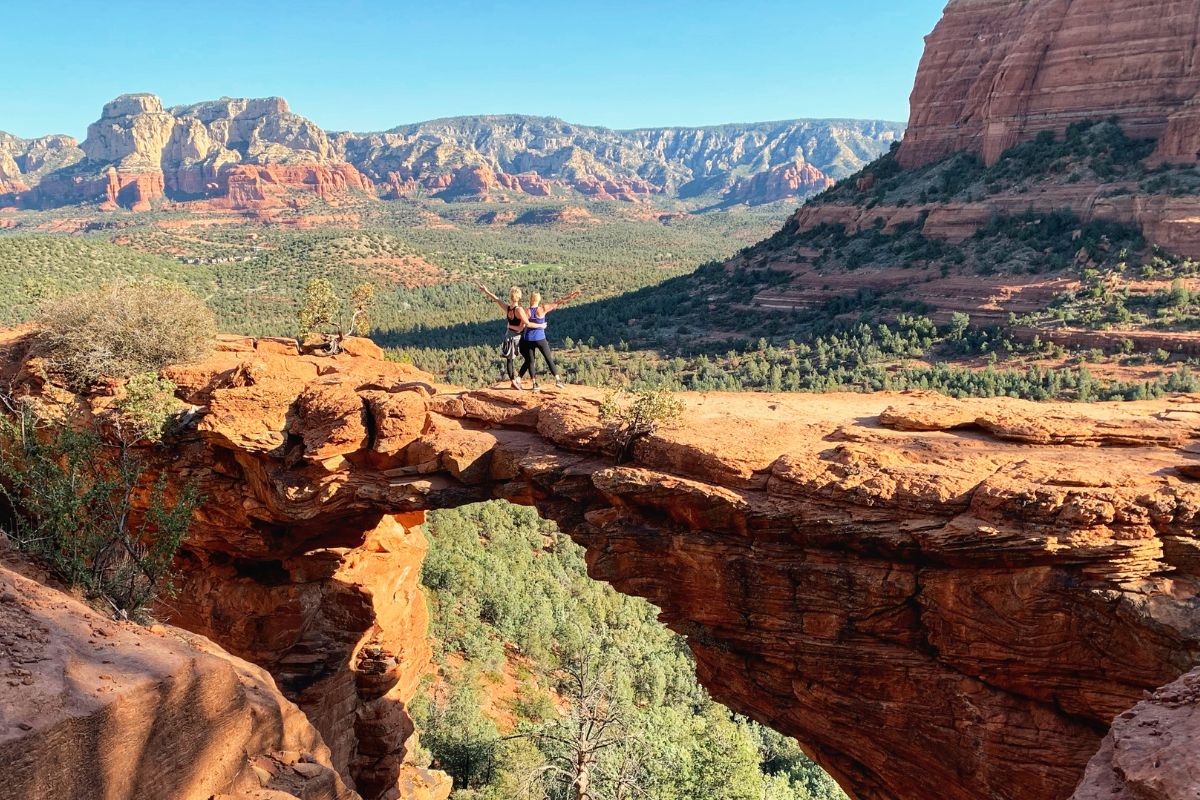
(512, 604)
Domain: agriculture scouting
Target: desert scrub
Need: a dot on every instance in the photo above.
(121, 330)
(323, 314)
(635, 415)
(83, 503)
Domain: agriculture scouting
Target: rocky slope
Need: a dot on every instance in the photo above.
(1022, 110)
(1151, 749)
(938, 598)
(251, 154)
(96, 708)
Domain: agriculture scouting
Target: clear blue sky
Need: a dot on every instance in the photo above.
(371, 64)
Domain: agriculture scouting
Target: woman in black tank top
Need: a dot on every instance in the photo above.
(516, 317)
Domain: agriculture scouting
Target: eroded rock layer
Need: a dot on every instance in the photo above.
(939, 598)
(1151, 749)
(255, 155)
(95, 709)
(997, 72)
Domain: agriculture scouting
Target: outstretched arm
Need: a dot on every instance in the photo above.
(499, 302)
(563, 300)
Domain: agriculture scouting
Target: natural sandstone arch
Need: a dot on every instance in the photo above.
(937, 598)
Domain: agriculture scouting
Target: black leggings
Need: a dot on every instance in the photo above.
(527, 353)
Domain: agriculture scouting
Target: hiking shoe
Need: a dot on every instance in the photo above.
(558, 384)
(535, 387)
(516, 384)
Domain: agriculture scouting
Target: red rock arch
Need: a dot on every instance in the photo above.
(936, 597)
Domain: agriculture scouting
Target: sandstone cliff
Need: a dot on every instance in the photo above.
(996, 72)
(939, 598)
(244, 153)
(211, 151)
(1151, 749)
(1083, 107)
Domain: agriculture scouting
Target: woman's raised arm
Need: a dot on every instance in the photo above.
(563, 300)
(499, 302)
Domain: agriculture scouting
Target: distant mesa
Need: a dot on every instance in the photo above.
(256, 155)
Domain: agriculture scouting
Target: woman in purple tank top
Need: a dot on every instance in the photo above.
(534, 338)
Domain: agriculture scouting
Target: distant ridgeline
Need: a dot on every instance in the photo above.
(248, 154)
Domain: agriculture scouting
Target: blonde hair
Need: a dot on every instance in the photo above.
(514, 295)
(535, 299)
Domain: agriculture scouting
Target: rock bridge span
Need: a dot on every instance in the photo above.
(937, 597)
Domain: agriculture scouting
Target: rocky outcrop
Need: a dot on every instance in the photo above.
(1151, 750)
(566, 215)
(97, 709)
(996, 72)
(131, 133)
(23, 162)
(779, 183)
(252, 186)
(244, 153)
(936, 597)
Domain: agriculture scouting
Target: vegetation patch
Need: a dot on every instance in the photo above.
(608, 698)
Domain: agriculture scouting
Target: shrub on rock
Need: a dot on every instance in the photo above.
(121, 330)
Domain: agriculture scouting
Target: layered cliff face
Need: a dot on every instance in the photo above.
(937, 597)
(245, 153)
(996, 72)
(623, 165)
(1080, 111)
(24, 162)
(250, 154)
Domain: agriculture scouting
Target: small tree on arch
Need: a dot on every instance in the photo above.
(322, 313)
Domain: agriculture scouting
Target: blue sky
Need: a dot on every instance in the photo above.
(369, 64)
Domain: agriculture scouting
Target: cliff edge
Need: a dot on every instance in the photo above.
(936, 597)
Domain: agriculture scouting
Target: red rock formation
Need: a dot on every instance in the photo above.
(472, 180)
(96, 708)
(996, 72)
(254, 186)
(779, 183)
(533, 184)
(939, 598)
(630, 190)
(1151, 750)
(133, 191)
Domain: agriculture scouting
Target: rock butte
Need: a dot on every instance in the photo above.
(938, 598)
(997, 72)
